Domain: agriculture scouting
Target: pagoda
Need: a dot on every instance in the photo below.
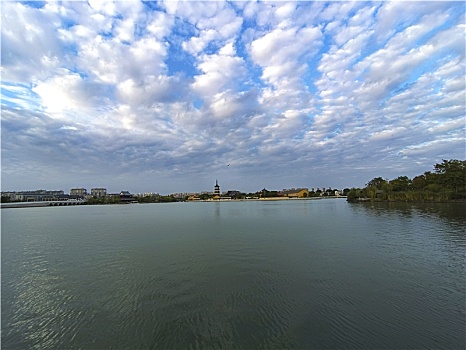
(216, 190)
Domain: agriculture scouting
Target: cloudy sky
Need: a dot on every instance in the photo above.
(169, 96)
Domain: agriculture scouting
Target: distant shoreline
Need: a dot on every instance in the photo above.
(13, 205)
(41, 204)
(371, 201)
(265, 199)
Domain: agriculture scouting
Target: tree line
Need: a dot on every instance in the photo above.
(446, 182)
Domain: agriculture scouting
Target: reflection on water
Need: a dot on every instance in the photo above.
(446, 220)
(294, 274)
(451, 212)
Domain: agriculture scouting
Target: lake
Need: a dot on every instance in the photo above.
(308, 274)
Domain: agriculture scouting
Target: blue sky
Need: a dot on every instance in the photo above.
(169, 96)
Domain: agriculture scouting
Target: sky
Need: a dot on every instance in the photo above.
(169, 96)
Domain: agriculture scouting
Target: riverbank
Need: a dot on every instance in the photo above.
(376, 200)
(267, 199)
(69, 203)
(40, 204)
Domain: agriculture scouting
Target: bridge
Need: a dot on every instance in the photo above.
(41, 204)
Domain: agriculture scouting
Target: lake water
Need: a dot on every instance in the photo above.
(294, 274)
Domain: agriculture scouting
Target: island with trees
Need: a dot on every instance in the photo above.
(447, 182)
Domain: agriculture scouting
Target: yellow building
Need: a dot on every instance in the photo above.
(296, 193)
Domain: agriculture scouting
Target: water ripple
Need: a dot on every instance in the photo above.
(291, 275)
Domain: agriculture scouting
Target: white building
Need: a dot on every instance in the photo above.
(78, 192)
(98, 192)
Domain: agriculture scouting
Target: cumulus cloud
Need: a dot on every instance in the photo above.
(30, 47)
(278, 52)
(220, 71)
(67, 91)
(174, 90)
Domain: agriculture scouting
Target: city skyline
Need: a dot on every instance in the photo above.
(103, 191)
(168, 96)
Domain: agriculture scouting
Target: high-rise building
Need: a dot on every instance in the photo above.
(78, 192)
(98, 192)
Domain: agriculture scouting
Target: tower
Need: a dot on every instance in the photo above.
(216, 189)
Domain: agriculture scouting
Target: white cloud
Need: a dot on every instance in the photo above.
(107, 8)
(266, 85)
(124, 30)
(436, 148)
(219, 72)
(388, 134)
(392, 15)
(235, 109)
(29, 36)
(280, 45)
(160, 25)
(338, 10)
(214, 21)
(442, 127)
(282, 55)
(65, 92)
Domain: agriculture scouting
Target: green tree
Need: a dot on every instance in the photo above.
(353, 194)
(377, 182)
(370, 192)
(452, 174)
(167, 199)
(95, 200)
(204, 196)
(447, 182)
(419, 182)
(387, 190)
(264, 193)
(401, 183)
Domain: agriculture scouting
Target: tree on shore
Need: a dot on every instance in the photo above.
(401, 183)
(452, 174)
(377, 183)
(447, 182)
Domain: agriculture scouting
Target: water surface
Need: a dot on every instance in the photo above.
(293, 274)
